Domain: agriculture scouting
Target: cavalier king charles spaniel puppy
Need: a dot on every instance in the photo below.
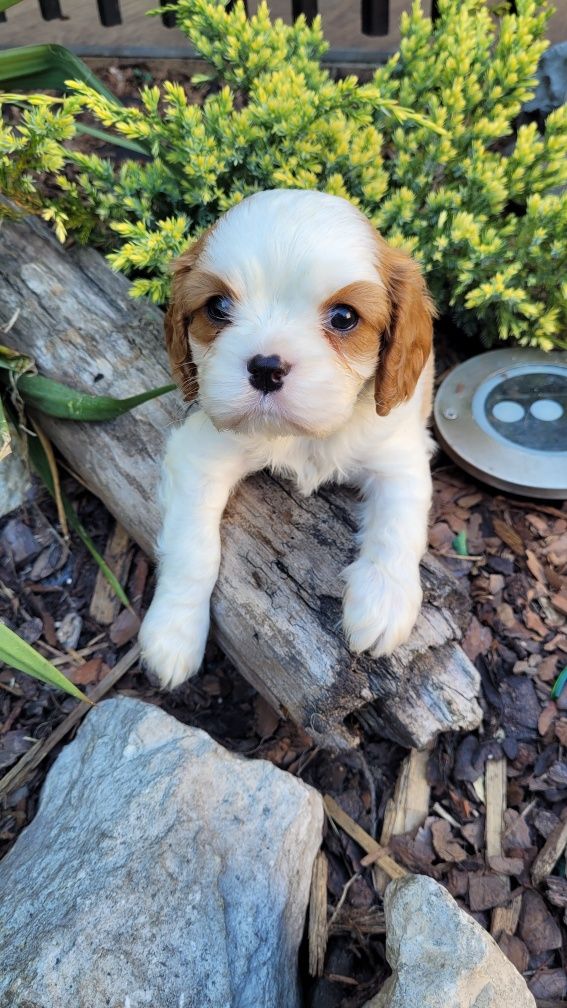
(308, 341)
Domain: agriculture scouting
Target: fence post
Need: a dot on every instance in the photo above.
(306, 7)
(375, 17)
(109, 13)
(50, 10)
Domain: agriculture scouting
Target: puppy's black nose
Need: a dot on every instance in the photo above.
(267, 373)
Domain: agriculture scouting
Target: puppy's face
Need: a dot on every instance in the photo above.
(287, 307)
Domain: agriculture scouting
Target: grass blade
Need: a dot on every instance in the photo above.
(47, 67)
(559, 684)
(20, 655)
(60, 401)
(40, 463)
(50, 459)
(116, 139)
(5, 439)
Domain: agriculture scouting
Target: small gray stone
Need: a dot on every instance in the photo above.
(69, 630)
(18, 542)
(440, 956)
(14, 481)
(160, 872)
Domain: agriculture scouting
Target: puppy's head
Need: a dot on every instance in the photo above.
(287, 307)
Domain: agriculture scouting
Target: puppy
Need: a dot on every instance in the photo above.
(308, 341)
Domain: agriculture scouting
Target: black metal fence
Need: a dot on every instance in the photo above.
(374, 14)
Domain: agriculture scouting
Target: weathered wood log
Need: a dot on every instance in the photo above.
(276, 608)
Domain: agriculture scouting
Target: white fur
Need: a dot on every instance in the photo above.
(284, 253)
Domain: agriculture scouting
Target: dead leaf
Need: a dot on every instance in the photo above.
(557, 643)
(535, 623)
(51, 559)
(557, 890)
(561, 731)
(549, 984)
(87, 673)
(473, 832)
(496, 583)
(547, 717)
(509, 536)
(266, 718)
(538, 524)
(545, 822)
(560, 602)
(469, 500)
(457, 882)
(487, 891)
(535, 566)
(19, 542)
(477, 639)
(537, 927)
(125, 626)
(547, 669)
(516, 831)
(506, 615)
(441, 536)
(12, 745)
(31, 630)
(444, 842)
(515, 950)
(506, 865)
(554, 579)
(558, 773)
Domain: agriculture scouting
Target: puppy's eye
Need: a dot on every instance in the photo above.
(219, 309)
(342, 317)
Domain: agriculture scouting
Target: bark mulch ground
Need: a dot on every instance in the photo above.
(516, 570)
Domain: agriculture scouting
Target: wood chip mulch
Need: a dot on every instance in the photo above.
(493, 823)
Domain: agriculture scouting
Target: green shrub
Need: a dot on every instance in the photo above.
(427, 149)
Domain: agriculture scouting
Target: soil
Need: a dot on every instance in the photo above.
(515, 569)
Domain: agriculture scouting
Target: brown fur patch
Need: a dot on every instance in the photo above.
(191, 289)
(407, 343)
(198, 288)
(370, 302)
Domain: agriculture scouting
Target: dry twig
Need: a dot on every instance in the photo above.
(363, 839)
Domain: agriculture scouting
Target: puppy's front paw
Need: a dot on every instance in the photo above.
(380, 609)
(172, 640)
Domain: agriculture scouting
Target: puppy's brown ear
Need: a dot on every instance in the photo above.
(177, 320)
(408, 339)
(182, 367)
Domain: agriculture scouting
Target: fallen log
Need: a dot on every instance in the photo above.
(276, 608)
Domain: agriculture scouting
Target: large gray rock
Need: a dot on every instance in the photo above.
(160, 871)
(441, 957)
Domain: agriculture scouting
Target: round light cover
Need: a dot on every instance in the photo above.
(502, 416)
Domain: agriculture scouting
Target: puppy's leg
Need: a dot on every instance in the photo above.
(383, 594)
(201, 468)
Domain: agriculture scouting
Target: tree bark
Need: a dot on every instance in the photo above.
(276, 608)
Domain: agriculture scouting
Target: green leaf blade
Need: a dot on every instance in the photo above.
(20, 655)
(559, 684)
(5, 438)
(65, 403)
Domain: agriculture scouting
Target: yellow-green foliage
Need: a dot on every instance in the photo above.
(427, 149)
